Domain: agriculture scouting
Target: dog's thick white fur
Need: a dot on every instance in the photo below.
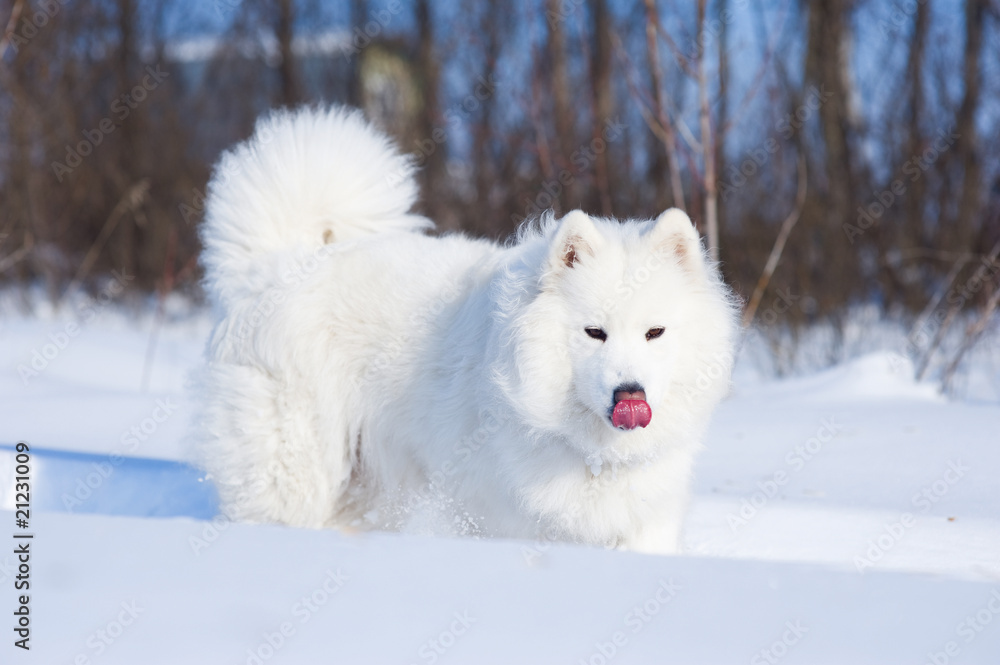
(363, 375)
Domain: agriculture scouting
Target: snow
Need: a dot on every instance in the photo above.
(88, 395)
(878, 375)
(848, 514)
(814, 468)
(387, 596)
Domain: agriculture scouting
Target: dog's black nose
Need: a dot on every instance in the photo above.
(629, 391)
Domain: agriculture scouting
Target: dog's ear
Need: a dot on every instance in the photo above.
(674, 234)
(574, 240)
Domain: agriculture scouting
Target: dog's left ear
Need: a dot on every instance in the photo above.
(674, 234)
(576, 239)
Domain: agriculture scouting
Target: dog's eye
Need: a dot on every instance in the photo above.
(596, 333)
(653, 333)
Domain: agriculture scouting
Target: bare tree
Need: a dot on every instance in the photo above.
(603, 103)
(500, 111)
(435, 168)
(707, 147)
(359, 16)
(284, 31)
(563, 113)
(665, 127)
(125, 249)
(969, 203)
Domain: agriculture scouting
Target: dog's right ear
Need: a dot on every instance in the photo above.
(674, 233)
(575, 240)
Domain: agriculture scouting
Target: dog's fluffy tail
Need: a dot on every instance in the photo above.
(305, 178)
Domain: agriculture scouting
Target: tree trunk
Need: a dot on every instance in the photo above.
(828, 81)
(965, 125)
(359, 15)
(124, 249)
(562, 106)
(285, 33)
(722, 121)
(603, 101)
(429, 123)
(910, 230)
(707, 148)
(656, 73)
(485, 172)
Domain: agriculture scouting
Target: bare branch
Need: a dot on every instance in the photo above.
(666, 134)
(779, 246)
(939, 296)
(15, 14)
(132, 199)
(975, 329)
(9, 261)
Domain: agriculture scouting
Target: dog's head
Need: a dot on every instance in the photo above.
(630, 334)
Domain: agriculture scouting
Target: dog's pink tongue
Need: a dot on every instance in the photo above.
(631, 413)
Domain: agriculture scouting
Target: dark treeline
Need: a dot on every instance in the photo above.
(863, 133)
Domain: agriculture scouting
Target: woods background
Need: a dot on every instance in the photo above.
(860, 135)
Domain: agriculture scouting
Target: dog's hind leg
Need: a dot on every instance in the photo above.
(263, 449)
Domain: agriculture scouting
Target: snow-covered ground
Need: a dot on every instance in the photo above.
(848, 515)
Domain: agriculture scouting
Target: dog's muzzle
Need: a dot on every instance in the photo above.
(631, 409)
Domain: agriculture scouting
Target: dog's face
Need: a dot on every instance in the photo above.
(626, 314)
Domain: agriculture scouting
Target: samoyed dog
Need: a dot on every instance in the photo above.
(365, 375)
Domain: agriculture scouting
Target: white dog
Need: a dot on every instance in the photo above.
(364, 375)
